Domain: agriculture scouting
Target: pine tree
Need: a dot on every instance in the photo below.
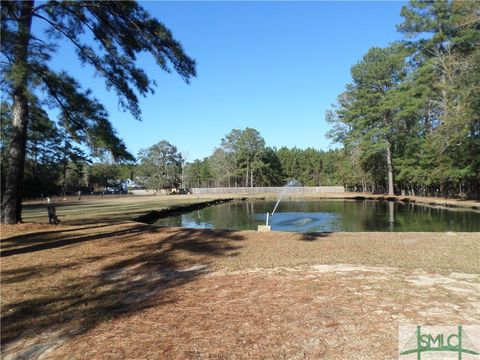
(444, 40)
(120, 30)
(367, 110)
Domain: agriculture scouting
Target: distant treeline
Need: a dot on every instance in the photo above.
(411, 114)
(54, 166)
(243, 159)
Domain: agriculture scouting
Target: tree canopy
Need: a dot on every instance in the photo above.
(107, 36)
(417, 104)
(160, 166)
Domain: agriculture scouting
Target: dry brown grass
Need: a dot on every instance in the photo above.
(280, 314)
(129, 290)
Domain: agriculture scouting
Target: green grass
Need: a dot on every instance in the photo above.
(108, 209)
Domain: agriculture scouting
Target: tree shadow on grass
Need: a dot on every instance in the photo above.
(314, 236)
(43, 242)
(126, 276)
(41, 237)
(21, 274)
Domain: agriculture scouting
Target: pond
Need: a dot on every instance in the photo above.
(328, 216)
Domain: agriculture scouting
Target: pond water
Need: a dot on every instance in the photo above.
(328, 216)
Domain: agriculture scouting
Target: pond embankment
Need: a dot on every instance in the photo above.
(152, 216)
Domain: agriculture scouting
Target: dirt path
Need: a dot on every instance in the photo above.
(129, 290)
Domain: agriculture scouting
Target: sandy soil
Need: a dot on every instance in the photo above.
(128, 290)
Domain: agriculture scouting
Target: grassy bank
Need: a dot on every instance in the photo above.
(123, 208)
(110, 209)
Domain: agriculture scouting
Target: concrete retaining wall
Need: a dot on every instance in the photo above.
(266, 190)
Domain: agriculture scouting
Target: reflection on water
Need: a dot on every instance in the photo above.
(328, 215)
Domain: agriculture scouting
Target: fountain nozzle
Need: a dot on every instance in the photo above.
(265, 227)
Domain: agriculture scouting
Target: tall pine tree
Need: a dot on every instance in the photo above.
(120, 30)
(367, 110)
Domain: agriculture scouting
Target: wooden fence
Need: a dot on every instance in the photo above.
(268, 190)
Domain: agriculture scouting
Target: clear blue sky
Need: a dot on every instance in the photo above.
(272, 66)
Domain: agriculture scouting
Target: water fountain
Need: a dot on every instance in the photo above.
(290, 184)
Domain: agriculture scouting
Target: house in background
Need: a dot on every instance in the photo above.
(121, 186)
(129, 184)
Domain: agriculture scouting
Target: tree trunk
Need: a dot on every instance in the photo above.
(251, 178)
(64, 171)
(12, 199)
(390, 170)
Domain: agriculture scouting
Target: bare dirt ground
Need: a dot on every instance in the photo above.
(129, 290)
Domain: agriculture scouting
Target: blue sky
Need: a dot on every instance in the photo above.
(272, 66)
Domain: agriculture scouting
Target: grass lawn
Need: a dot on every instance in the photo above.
(109, 209)
(101, 286)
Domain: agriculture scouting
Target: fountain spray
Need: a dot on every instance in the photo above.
(290, 183)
